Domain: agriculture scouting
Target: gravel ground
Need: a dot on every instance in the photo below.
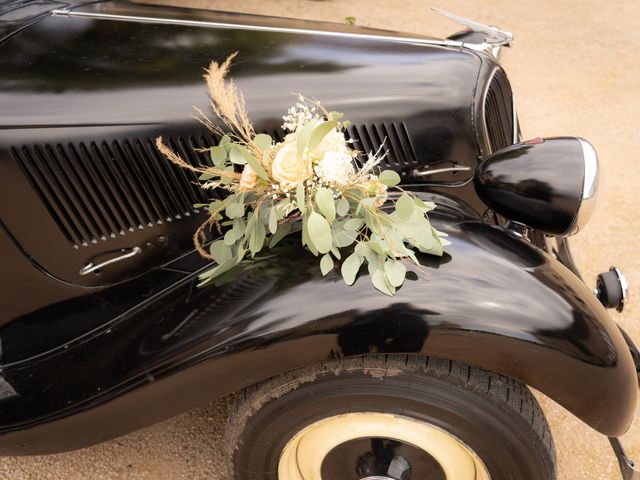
(574, 71)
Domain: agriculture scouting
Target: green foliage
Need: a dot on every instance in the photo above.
(320, 132)
(319, 232)
(218, 155)
(342, 207)
(236, 155)
(304, 136)
(300, 197)
(257, 167)
(389, 178)
(263, 140)
(350, 20)
(324, 201)
(350, 268)
(283, 231)
(404, 207)
(348, 228)
(326, 264)
(220, 251)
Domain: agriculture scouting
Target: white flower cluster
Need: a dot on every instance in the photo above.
(335, 168)
(298, 116)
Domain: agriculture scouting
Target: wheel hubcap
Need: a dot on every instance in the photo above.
(377, 446)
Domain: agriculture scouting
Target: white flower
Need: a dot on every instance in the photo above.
(335, 167)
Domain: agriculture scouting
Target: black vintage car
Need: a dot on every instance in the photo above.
(103, 330)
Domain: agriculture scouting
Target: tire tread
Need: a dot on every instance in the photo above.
(512, 395)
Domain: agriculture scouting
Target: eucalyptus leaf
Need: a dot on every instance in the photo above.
(319, 232)
(218, 155)
(379, 281)
(304, 135)
(236, 155)
(255, 164)
(404, 207)
(371, 222)
(372, 265)
(273, 220)
(210, 275)
(306, 239)
(395, 272)
(206, 176)
(237, 232)
(375, 246)
(342, 207)
(362, 250)
(326, 264)
(300, 197)
(282, 207)
(389, 178)
(395, 242)
(324, 200)
(283, 231)
(225, 140)
(235, 210)
(256, 240)
(227, 179)
(343, 238)
(251, 221)
(263, 141)
(336, 253)
(336, 115)
(230, 237)
(418, 232)
(220, 251)
(215, 205)
(350, 268)
(354, 224)
(424, 206)
(320, 132)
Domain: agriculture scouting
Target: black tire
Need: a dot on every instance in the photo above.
(494, 416)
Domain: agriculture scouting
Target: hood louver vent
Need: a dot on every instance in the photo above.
(99, 190)
(394, 136)
(96, 191)
(498, 112)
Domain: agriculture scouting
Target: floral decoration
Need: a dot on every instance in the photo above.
(313, 184)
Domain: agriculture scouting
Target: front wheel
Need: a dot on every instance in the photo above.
(389, 418)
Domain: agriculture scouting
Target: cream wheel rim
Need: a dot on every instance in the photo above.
(302, 457)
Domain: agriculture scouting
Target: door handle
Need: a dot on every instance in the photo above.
(126, 253)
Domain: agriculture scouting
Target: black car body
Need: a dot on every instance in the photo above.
(90, 354)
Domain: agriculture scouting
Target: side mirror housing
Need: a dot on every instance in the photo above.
(547, 184)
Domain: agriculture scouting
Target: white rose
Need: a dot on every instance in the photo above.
(288, 168)
(336, 168)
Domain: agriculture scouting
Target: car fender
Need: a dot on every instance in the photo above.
(492, 300)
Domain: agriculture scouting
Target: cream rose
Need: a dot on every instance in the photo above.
(248, 179)
(288, 168)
